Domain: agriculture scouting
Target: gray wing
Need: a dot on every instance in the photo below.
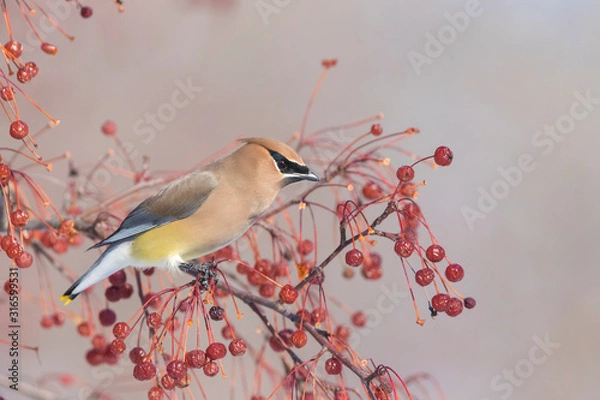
(179, 199)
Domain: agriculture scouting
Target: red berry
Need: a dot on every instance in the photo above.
(6, 242)
(372, 260)
(404, 247)
(148, 271)
(61, 246)
(176, 369)
(359, 319)
(195, 358)
(32, 68)
(276, 344)
(23, 75)
(318, 315)
(267, 290)
(19, 217)
(94, 357)
(137, 355)
(305, 247)
(99, 342)
(440, 302)
(216, 313)
(154, 320)
(48, 239)
(237, 347)
(470, 302)
(227, 332)
(107, 317)
(211, 368)
(333, 366)
(109, 128)
(354, 258)
(46, 321)
(118, 278)
(84, 329)
(12, 287)
(155, 394)
(154, 301)
(372, 272)
(443, 156)
(117, 346)
(454, 272)
(121, 330)
(110, 358)
(376, 129)
(25, 260)
(406, 173)
(14, 48)
(7, 93)
(14, 251)
(4, 174)
(49, 48)
(342, 332)
(435, 253)
(372, 191)
(144, 371)
(288, 294)
(299, 339)
(424, 276)
(126, 291)
(58, 319)
(86, 12)
(216, 350)
(112, 294)
(167, 382)
(455, 307)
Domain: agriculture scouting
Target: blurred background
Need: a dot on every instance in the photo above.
(512, 87)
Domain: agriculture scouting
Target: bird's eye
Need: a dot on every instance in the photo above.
(282, 164)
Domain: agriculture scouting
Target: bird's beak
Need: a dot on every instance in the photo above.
(310, 176)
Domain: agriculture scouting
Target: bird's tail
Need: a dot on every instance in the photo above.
(115, 257)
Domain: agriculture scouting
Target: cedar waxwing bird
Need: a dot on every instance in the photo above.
(198, 213)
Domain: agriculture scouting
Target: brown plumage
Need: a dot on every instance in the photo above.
(200, 212)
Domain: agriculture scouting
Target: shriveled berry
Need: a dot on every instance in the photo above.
(405, 173)
(6, 242)
(112, 293)
(107, 317)
(86, 12)
(376, 129)
(176, 369)
(237, 347)
(424, 276)
(7, 93)
(454, 272)
(118, 278)
(359, 319)
(137, 355)
(4, 174)
(155, 393)
(372, 191)
(167, 382)
(49, 48)
(121, 330)
(144, 371)
(19, 217)
(435, 253)
(14, 48)
(354, 258)
(455, 307)
(154, 320)
(305, 247)
(440, 302)
(299, 339)
(216, 313)
(404, 247)
(25, 260)
(216, 350)
(210, 368)
(288, 294)
(117, 346)
(443, 156)
(469, 302)
(32, 68)
(23, 75)
(195, 358)
(333, 366)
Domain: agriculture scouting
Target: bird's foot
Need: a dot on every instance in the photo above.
(205, 272)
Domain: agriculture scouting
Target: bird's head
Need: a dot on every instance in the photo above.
(287, 165)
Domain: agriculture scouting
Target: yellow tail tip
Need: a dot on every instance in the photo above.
(66, 299)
